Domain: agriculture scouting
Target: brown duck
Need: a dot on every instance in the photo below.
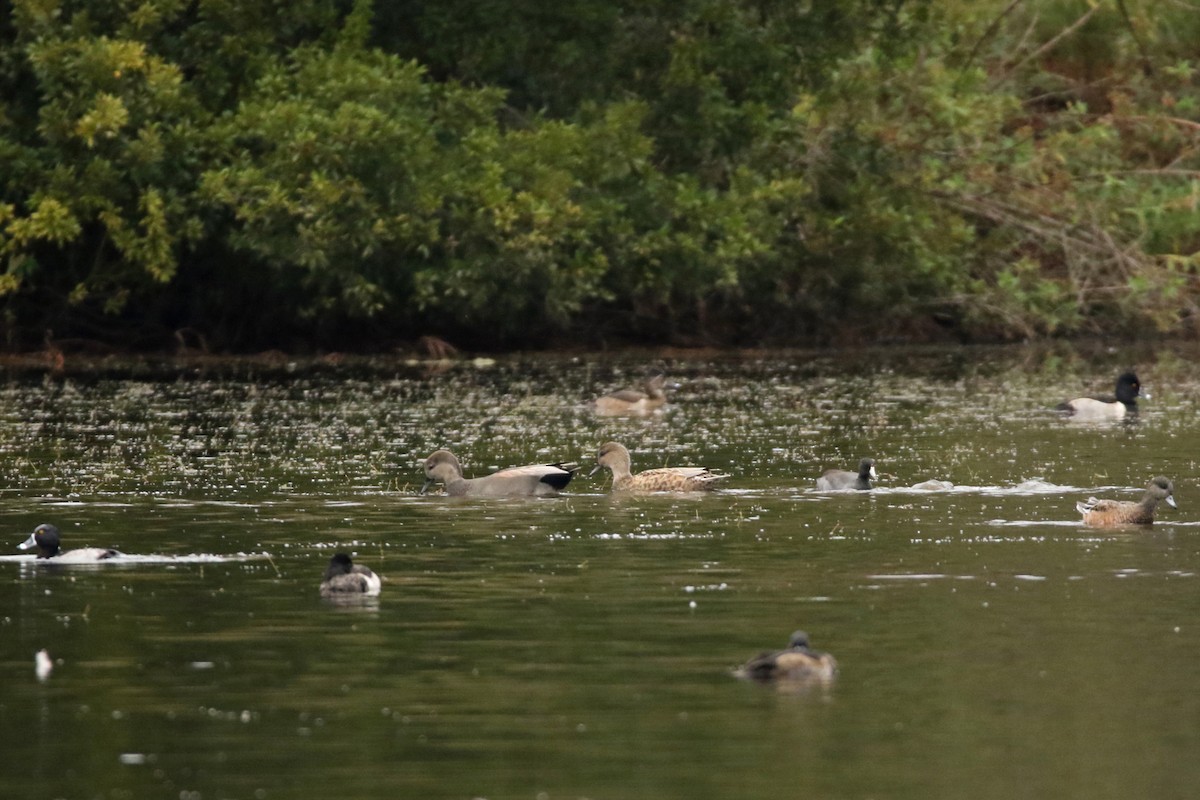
(1114, 513)
(615, 457)
(797, 662)
(635, 403)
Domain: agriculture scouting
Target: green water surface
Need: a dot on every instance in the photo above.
(580, 647)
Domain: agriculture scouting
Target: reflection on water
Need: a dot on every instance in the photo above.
(582, 646)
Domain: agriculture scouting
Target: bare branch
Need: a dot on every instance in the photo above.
(1147, 67)
(1088, 239)
(1183, 123)
(988, 33)
(1165, 172)
(1048, 46)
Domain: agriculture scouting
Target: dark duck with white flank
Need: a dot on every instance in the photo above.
(46, 539)
(837, 479)
(344, 578)
(1121, 403)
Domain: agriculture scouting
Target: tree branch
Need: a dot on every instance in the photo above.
(987, 34)
(1045, 48)
(1147, 67)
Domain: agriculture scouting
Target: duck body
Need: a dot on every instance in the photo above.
(1116, 513)
(797, 662)
(632, 402)
(535, 480)
(1121, 403)
(344, 578)
(47, 540)
(615, 457)
(838, 479)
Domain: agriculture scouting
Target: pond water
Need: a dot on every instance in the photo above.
(581, 646)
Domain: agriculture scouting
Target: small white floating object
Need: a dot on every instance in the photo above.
(42, 664)
(1036, 485)
(933, 485)
(132, 759)
(908, 576)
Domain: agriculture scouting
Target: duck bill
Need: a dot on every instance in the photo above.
(425, 486)
(874, 474)
(595, 469)
(1171, 501)
(28, 543)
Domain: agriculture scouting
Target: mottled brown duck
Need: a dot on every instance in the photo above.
(614, 457)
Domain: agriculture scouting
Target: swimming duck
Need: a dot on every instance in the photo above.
(631, 402)
(537, 480)
(616, 458)
(1115, 513)
(1115, 406)
(46, 539)
(344, 578)
(834, 479)
(797, 662)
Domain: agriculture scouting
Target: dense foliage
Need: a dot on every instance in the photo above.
(328, 174)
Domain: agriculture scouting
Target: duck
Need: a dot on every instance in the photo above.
(535, 480)
(835, 479)
(1122, 402)
(615, 457)
(46, 539)
(344, 578)
(1115, 513)
(798, 662)
(632, 402)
